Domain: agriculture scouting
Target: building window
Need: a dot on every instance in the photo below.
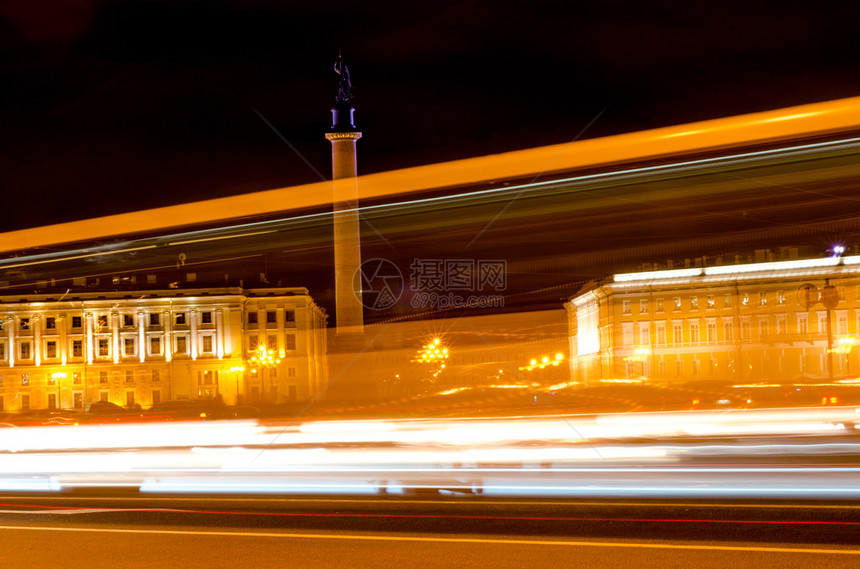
(625, 306)
(289, 316)
(780, 297)
(77, 348)
(643, 306)
(102, 321)
(711, 301)
(694, 303)
(129, 398)
(103, 377)
(206, 317)
(661, 368)
(128, 346)
(78, 400)
(627, 334)
(24, 323)
(842, 324)
(780, 327)
(104, 347)
(677, 334)
(76, 321)
(128, 320)
(181, 345)
(1, 323)
(154, 319)
(644, 333)
(802, 324)
(253, 342)
(291, 341)
(25, 350)
(696, 367)
(727, 301)
(272, 342)
(103, 395)
(677, 302)
(762, 298)
(50, 349)
(661, 334)
(155, 346)
(271, 317)
(25, 379)
(180, 319)
(712, 332)
(822, 323)
(679, 368)
(76, 378)
(291, 372)
(694, 332)
(746, 331)
(252, 318)
(207, 344)
(25, 402)
(129, 376)
(2, 350)
(156, 396)
(762, 328)
(729, 331)
(155, 375)
(745, 300)
(50, 323)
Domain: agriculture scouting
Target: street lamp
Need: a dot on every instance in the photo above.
(264, 359)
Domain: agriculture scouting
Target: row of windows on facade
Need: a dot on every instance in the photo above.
(78, 399)
(806, 363)
(103, 346)
(128, 320)
(154, 376)
(708, 302)
(694, 336)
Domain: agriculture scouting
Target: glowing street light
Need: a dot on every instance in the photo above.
(264, 359)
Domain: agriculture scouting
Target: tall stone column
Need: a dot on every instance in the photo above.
(347, 237)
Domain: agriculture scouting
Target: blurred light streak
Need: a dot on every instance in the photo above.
(803, 121)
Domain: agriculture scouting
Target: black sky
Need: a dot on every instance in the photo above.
(109, 106)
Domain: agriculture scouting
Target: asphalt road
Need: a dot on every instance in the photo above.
(103, 530)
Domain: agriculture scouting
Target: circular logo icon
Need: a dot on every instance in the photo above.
(377, 284)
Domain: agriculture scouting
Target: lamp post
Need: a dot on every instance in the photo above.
(264, 359)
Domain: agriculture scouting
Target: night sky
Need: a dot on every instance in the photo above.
(110, 106)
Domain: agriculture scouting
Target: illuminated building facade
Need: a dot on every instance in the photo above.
(150, 346)
(752, 322)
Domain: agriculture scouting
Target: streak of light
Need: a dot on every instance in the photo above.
(784, 124)
(218, 237)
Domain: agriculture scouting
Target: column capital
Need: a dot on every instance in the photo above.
(349, 135)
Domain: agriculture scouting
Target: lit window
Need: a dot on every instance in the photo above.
(643, 306)
(711, 301)
(25, 323)
(780, 297)
(625, 306)
(77, 349)
(104, 348)
(25, 379)
(694, 302)
(272, 342)
(659, 305)
(677, 301)
(762, 298)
